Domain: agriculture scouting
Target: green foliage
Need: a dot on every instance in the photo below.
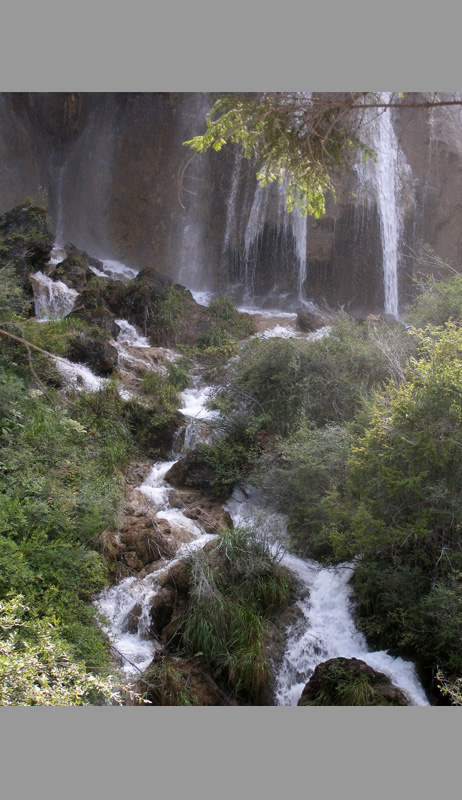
(235, 587)
(170, 318)
(402, 510)
(152, 427)
(223, 463)
(58, 492)
(160, 391)
(440, 302)
(178, 375)
(304, 477)
(268, 379)
(293, 381)
(13, 300)
(37, 667)
(163, 388)
(296, 140)
(220, 341)
(450, 689)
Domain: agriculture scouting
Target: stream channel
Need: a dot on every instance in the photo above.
(325, 627)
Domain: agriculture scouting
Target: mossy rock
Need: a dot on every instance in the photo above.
(26, 240)
(350, 682)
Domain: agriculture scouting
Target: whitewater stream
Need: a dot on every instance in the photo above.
(325, 628)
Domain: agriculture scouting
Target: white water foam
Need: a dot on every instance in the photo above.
(194, 403)
(202, 298)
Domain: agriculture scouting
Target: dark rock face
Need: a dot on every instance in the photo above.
(27, 240)
(191, 472)
(112, 167)
(350, 682)
(99, 354)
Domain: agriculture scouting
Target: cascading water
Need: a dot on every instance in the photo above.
(326, 628)
(133, 596)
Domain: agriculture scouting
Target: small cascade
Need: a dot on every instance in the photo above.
(52, 299)
(129, 335)
(117, 270)
(195, 403)
(326, 628)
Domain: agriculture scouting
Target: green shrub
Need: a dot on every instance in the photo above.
(320, 381)
(303, 476)
(37, 667)
(402, 506)
(441, 293)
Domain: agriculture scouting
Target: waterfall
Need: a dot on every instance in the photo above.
(267, 209)
(385, 178)
(59, 235)
(190, 243)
